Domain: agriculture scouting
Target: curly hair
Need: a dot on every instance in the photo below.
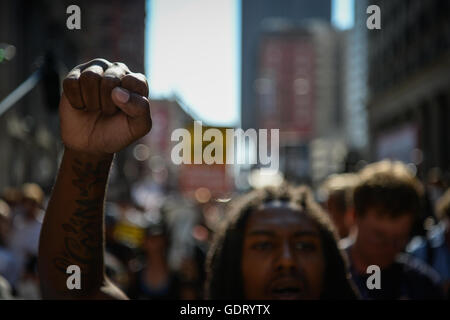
(223, 265)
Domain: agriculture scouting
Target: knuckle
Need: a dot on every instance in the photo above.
(142, 79)
(135, 83)
(130, 79)
(100, 62)
(122, 66)
(110, 81)
(90, 76)
(70, 84)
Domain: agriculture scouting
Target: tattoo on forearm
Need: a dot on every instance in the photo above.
(83, 230)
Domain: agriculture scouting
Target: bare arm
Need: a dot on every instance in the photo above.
(72, 231)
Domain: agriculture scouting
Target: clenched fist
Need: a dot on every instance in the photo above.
(104, 107)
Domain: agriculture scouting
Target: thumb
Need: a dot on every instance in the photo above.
(136, 107)
(132, 104)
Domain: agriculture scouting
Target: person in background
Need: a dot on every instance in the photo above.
(435, 249)
(7, 261)
(26, 228)
(116, 248)
(28, 284)
(13, 197)
(202, 239)
(337, 199)
(277, 244)
(155, 280)
(435, 186)
(387, 201)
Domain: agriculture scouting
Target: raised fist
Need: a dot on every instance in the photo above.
(104, 107)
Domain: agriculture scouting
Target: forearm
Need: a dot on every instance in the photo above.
(72, 231)
(101, 120)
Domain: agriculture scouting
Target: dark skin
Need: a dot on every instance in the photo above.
(104, 108)
(282, 255)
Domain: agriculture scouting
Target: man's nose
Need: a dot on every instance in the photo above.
(286, 257)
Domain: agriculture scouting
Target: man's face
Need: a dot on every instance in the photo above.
(282, 256)
(381, 237)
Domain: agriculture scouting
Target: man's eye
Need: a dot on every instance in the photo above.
(305, 246)
(263, 246)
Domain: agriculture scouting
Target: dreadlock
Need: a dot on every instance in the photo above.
(223, 265)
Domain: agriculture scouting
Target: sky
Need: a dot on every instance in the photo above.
(193, 53)
(343, 13)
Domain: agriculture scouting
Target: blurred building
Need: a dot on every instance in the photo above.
(253, 13)
(151, 155)
(329, 145)
(409, 81)
(298, 90)
(355, 80)
(29, 134)
(353, 89)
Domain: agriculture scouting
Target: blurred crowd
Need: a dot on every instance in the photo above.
(155, 246)
(171, 247)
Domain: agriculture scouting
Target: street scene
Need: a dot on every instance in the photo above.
(225, 150)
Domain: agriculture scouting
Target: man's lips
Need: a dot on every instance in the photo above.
(286, 289)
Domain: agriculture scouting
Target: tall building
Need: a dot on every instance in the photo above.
(354, 88)
(409, 80)
(329, 147)
(285, 90)
(356, 80)
(254, 12)
(298, 91)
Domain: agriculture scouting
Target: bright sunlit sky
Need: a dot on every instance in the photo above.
(193, 51)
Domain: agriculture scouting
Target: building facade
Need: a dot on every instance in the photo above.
(253, 15)
(30, 144)
(409, 84)
(298, 91)
(356, 80)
